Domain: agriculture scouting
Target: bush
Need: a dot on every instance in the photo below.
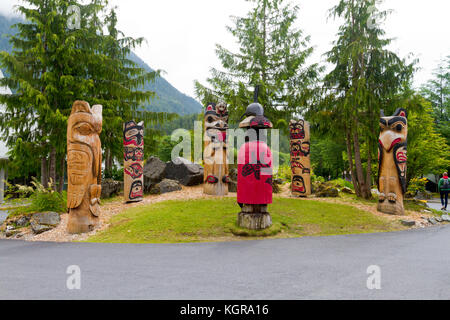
(315, 178)
(284, 172)
(44, 199)
(340, 183)
(115, 174)
(417, 185)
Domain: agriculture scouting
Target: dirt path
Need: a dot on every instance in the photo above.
(109, 209)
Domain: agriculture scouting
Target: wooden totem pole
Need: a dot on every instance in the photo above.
(392, 157)
(300, 161)
(254, 182)
(133, 170)
(215, 152)
(84, 166)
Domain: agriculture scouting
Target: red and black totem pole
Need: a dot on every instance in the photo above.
(254, 182)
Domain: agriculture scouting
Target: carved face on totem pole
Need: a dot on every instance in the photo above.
(215, 152)
(392, 158)
(133, 142)
(84, 165)
(300, 158)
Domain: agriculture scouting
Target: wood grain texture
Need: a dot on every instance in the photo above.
(84, 167)
(300, 142)
(215, 176)
(133, 166)
(392, 159)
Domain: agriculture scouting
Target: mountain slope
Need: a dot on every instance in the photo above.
(168, 98)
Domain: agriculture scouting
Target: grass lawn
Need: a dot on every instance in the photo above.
(214, 220)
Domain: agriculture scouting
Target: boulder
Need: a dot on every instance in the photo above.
(445, 217)
(41, 222)
(408, 223)
(23, 221)
(154, 170)
(347, 190)
(432, 221)
(426, 195)
(326, 190)
(168, 185)
(184, 171)
(111, 188)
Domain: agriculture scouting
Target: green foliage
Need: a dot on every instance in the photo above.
(315, 178)
(427, 149)
(417, 185)
(326, 157)
(43, 199)
(365, 78)
(340, 183)
(437, 91)
(284, 172)
(165, 147)
(272, 54)
(115, 173)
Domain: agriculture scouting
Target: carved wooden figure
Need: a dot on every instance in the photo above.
(392, 157)
(300, 158)
(215, 152)
(133, 170)
(84, 166)
(254, 182)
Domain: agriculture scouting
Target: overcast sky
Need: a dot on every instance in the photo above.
(182, 34)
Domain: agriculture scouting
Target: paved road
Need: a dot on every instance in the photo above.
(414, 264)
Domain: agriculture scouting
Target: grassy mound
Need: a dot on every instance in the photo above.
(215, 220)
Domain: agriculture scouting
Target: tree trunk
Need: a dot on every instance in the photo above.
(61, 174)
(44, 172)
(358, 164)
(369, 171)
(350, 163)
(53, 167)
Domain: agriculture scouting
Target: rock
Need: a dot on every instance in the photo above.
(326, 190)
(12, 232)
(184, 171)
(23, 221)
(432, 221)
(423, 195)
(426, 211)
(347, 190)
(168, 185)
(39, 228)
(111, 188)
(232, 186)
(439, 219)
(41, 222)
(153, 172)
(445, 217)
(408, 223)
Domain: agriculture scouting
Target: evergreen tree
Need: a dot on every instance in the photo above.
(53, 65)
(272, 54)
(365, 78)
(437, 91)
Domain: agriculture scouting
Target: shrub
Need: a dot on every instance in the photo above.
(44, 199)
(417, 185)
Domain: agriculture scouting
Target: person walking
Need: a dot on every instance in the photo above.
(444, 189)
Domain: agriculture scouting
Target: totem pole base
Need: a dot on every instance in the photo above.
(254, 217)
(391, 208)
(81, 223)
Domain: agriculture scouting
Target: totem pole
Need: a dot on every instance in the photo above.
(215, 152)
(254, 182)
(392, 158)
(133, 170)
(300, 161)
(84, 166)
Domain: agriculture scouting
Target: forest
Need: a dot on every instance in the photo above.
(48, 66)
